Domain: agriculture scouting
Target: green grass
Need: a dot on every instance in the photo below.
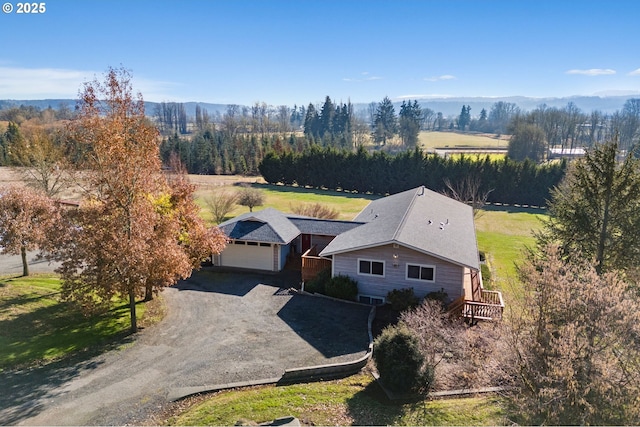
(36, 327)
(431, 140)
(356, 400)
(503, 233)
(282, 198)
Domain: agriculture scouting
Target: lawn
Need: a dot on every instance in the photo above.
(356, 400)
(430, 140)
(283, 198)
(35, 326)
(503, 234)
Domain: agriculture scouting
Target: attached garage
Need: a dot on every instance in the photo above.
(253, 255)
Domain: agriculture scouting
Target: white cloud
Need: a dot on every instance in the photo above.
(635, 72)
(440, 78)
(42, 83)
(593, 72)
(21, 83)
(366, 77)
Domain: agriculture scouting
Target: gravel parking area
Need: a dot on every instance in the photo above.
(221, 328)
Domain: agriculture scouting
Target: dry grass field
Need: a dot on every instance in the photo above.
(431, 140)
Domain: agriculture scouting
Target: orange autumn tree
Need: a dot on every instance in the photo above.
(134, 233)
(26, 219)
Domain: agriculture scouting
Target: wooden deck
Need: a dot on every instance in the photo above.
(312, 264)
(477, 303)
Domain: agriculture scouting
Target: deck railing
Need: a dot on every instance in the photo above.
(490, 307)
(312, 264)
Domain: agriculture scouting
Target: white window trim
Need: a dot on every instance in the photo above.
(383, 299)
(384, 267)
(406, 273)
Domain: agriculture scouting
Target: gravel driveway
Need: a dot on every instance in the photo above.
(221, 328)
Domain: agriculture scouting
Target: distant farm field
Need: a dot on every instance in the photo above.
(432, 140)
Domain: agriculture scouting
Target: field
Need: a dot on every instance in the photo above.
(35, 326)
(431, 140)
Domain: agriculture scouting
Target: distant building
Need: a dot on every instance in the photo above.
(566, 153)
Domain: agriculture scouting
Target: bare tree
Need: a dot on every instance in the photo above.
(250, 197)
(40, 161)
(468, 190)
(574, 343)
(220, 203)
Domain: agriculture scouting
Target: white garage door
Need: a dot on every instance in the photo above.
(248, 256)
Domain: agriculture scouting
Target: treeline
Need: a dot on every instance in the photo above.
(212, 152)
(505, 180)
(533, 133)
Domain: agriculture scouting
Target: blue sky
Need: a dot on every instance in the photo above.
(297, 52)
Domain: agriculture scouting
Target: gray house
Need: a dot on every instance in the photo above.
(416, 239)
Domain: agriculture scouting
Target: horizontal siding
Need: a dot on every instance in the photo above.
(447, 276)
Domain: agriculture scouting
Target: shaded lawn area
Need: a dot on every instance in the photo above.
(35, 326)
(356, 400)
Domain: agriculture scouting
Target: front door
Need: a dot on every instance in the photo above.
(306, 242)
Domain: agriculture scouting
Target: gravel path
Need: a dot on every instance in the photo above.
(220, 328)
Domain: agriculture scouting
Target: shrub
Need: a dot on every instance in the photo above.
(399, 361)
(342, 287)
(440, 295)
(402, 299)
(318, 284)
(485, 270)
(315, 210)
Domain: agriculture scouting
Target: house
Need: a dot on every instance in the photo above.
(416, 239)
(266, 239)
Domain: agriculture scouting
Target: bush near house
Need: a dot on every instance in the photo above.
(400, 362)
(317, 284)
(342, 287)
(402, 299)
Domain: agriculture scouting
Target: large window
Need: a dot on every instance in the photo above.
(421, 272)
(371, 267)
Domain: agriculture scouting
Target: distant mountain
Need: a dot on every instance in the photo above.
(150, 107)
(447, 106)
(452, 106)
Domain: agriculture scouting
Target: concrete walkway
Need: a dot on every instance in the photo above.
(221, 328)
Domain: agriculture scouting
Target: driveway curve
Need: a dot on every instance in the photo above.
(221, 328)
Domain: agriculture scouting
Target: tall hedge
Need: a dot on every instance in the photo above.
(511, 182)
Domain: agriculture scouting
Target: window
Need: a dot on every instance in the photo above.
(240, 242)
(370, 267)
(266, 245)
(367, 299)
(421, 272)
(252, 243)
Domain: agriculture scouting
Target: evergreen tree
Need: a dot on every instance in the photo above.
(385, 124)
(596, 210)
(410, 118)
(465, 117)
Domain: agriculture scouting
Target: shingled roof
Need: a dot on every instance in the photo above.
(271, 225)
(268, 225)
(420, 219)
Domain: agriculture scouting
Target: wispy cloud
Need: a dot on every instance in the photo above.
(439, 78)
(593, 72)
(39, 83)
(635, 72)
(365, 76)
